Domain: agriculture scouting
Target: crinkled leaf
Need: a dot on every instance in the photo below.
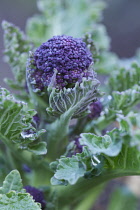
(126, 99)
(117, 103)
(69, 170)
(109, 144)
(99, 168)
(12, 182)
(125, 78)
(130, 124)
(16, 201)
(16, 53)
(16, 121)
(104, 157)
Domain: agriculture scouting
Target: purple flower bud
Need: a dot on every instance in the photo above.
(78, 146)
(95, 109)
(26, 168)
(36, 119)
(65, 56)
(74, 147)
(37, 194)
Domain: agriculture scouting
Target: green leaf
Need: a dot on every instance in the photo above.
(125, 78)
(130, 124)
(16, 52)
(12, 182)
(16, 201)
(103, 158)
(12, 195)
(98, 168)
(69, 169)
(126, 99)
(109, 144)
(38, 149)
(16, 122)
(123, 199)
(119, 103)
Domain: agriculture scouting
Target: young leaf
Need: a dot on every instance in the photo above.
(69, 169)
(12, 182)
(109, 144)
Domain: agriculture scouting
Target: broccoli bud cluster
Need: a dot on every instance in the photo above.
(67, 56)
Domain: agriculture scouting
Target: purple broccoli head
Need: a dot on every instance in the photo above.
(37, 194)
(95, 109)
(65, 56)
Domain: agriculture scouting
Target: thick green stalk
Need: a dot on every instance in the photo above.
(57, 135)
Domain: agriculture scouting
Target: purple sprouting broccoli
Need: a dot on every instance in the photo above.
(65, 57)
(78, 146)
(37, 194)
(95, 109)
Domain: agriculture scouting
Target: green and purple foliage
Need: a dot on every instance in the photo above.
(51, 129)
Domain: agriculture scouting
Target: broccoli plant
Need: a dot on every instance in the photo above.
(63, 133)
